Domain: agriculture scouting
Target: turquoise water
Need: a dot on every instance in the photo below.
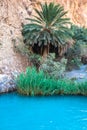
(43, 113)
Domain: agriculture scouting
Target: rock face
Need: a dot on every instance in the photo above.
(6, 84)
(10, 26)
(14, 12)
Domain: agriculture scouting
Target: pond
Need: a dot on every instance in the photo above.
(43, 113)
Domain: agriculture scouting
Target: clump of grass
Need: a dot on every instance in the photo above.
(37, 83)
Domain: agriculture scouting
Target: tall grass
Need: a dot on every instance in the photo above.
(37, 83)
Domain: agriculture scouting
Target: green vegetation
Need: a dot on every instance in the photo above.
(35, 60)
(47, 32)
(48, 27)
(80, 38)
(79, 34)
(52, 67)
(37, 83)
(79, 48)
(73, 56)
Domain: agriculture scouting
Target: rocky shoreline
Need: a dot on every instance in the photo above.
(7, 84)
(79, 75)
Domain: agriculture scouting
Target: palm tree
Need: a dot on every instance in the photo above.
(47, 28)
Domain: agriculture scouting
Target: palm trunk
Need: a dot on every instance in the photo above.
(45, 51)
(58, 54)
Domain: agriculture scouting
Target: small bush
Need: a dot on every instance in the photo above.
(73, 57)
(35, 60)
(54, 68)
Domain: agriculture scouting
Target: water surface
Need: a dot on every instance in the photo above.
(43, 113)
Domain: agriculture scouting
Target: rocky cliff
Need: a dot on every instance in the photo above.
(13, 14)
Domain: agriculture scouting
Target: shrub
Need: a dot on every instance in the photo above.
(73, 57)
(35, 60)
(79, 33)
(54, 68)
